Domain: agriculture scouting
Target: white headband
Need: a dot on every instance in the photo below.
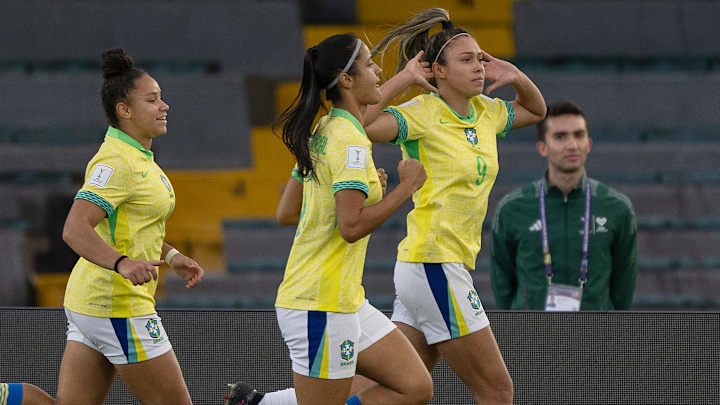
(447, 42)
(347, 67)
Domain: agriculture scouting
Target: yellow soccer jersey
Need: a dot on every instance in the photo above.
(124, 180)
(324, 272)
(460, 158)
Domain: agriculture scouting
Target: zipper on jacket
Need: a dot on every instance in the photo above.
(567, 232)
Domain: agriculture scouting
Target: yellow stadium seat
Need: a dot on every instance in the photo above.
(498, 40)
(206, 197)
(461, 11)
(50, 289)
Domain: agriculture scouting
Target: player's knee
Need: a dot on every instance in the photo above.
(509, 388)
(421, 391)
(503, 389)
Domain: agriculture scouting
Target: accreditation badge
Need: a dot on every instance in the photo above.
(563, 298)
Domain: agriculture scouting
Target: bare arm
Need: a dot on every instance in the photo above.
(80, 235)
(355, 221)
(529, 103)
(382, 127)
(290, 205)
(184, 267)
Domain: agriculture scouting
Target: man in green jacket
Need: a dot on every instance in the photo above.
(541, 258)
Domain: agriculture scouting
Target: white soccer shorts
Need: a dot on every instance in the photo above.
(120, 340)
(326, 344)
(438, 299)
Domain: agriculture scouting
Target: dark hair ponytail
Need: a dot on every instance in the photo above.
(413, 37)
(119, 75)
(321, 65)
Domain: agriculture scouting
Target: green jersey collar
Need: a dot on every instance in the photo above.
(113, 132)
(339, 112)
(467, 118)
(580, 186)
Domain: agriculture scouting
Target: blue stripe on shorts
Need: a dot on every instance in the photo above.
(316, 323)
(439, 286)
(120, 326)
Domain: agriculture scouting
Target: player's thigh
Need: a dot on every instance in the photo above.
(156, 381)
(428, 354)
(394, 348)
(477, 360)
(85, 376)
(314, 391)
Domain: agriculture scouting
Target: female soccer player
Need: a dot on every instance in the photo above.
(453, 134)
(117, 226)
(330, 328)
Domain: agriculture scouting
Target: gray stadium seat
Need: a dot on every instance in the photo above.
(208, 122)
(671, 163)
(15, 288)
(256, 245)
(608, 28)
(700, 22)
(671, 242)
(239, 36)
(641, 99)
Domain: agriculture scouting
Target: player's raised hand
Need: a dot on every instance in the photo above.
(499, 72)
(421, 72)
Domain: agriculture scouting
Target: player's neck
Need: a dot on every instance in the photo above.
(458, 102)
(143, 141)
(564, 180)
(357, 110)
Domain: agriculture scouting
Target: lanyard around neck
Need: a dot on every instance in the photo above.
(586, 234)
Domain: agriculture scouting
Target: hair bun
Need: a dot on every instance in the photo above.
(446, 25)
(116, 62)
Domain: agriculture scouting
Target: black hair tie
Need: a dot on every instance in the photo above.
(446, 25)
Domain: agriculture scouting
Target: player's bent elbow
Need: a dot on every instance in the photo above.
(349, 238)
(68, 236)
(287, 220)
(541, 115)
(349, 234)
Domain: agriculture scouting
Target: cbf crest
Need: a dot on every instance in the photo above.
(471, 136)
(347, 350)
(153, 328)
(474, 299)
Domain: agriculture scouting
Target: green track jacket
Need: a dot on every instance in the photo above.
(517, 270)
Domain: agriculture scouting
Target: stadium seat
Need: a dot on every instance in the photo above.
(485, 12)
(15, 288)
(185, 32)
(256, 245)
(572, 28)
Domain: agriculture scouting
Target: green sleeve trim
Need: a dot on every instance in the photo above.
(510, 120)
(95, 199)
(402, 125)
(351, 185)
(296, 175)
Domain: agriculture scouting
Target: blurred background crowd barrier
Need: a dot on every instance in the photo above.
(570, 358)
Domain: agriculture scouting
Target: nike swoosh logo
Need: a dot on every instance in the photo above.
(444, 122)
(145, 174)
